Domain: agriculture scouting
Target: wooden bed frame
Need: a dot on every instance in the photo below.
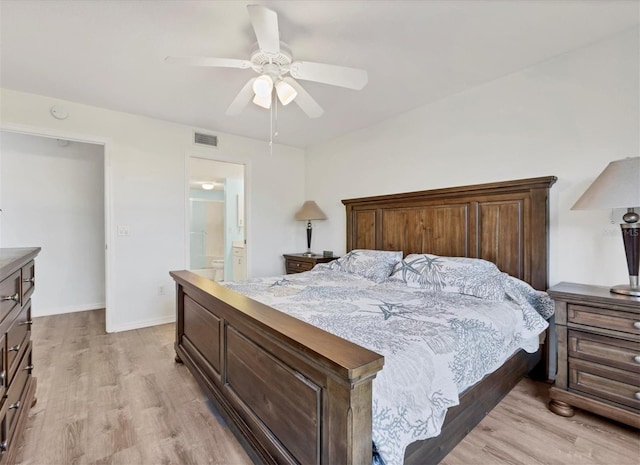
(293, 393)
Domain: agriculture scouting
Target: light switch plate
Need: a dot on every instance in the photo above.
(123, 230)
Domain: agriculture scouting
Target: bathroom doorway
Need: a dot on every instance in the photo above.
(216, 222)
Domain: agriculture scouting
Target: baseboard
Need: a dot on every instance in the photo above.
(143, 323)
(37, 311)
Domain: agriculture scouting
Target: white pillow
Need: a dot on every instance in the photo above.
(375, 265)
(462, 275)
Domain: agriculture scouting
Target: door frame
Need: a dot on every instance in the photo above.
(219, 157)
(108, 229)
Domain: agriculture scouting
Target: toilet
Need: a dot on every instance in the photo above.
(217, 265)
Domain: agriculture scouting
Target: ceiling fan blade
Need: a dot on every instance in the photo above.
(342, 76)
(242, 99)
(265, 25)
(210, 61)
(304, 100)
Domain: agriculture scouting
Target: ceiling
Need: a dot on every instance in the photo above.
(110, 54)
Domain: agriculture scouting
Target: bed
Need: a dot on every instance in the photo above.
(258, 365)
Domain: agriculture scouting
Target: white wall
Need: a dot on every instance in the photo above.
(568, 117)
(53, 197)
(146, 186)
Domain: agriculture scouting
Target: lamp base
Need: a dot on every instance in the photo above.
(308, 254)
(626, 290)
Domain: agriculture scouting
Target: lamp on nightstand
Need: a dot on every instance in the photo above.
(310, 211)
(618, 186)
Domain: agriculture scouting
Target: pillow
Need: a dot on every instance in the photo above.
(375, 265)
(462, 275)
(521, 292)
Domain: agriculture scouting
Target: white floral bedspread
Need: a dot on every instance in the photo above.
(435, 344)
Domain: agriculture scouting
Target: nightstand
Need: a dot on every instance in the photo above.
(598, 353)
(297, 262)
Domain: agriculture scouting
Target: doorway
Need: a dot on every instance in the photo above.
(59, 183)
(216, 221)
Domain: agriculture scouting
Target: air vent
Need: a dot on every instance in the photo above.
(205, 139)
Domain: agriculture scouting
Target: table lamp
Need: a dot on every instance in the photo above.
(309, 211)
(618, 186)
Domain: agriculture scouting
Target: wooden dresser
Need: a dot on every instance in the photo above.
(598, 353)
(297, 262)
(17, 384)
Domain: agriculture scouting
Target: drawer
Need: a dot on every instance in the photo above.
(3, 368)
(606, 350)
(9, 294)
(4, 434)
(15, 393)
(238, 251)
(28, 280)
(604, 318)
(18, 336)
(612, 384)
(298, 266)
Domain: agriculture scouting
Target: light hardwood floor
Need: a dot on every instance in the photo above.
(120, 399)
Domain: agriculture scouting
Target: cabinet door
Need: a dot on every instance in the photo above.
(28, 280)
(239, 272)
(18, 336)
(3, 368)
(16, 393)
(9, 294)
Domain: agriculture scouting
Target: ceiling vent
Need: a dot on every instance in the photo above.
(209, 140)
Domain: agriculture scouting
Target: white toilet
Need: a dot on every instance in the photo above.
(217, 264)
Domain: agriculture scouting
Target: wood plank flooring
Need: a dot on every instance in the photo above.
(120, 399)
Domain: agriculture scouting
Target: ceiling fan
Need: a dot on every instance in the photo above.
(272, 60)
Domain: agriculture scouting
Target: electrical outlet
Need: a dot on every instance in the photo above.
(123, 230)
(162, 290)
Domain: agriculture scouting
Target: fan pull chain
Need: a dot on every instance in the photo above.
(275, 102)
(271, 130)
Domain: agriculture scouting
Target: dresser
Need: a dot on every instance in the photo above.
(17, 383)
(297, 262)
(598, 336)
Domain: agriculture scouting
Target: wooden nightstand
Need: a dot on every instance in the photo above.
(598, 353)
(297, 262)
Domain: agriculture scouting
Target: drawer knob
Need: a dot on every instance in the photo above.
(637, 358)
(31, 280)
(14, 406)
(637, 394)
(3, 446)
(16, 296)
(298, 265)
(3, 375)
(15, 348)
(25, 322)
(28, 368)
(636, 324)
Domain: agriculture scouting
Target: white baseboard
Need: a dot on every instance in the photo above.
(124, 327)
(143, 323)
(37, 311)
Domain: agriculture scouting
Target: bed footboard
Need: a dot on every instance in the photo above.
(291, 392)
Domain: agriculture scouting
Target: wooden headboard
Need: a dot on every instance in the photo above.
(503, 222)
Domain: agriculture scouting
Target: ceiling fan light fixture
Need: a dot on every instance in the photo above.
(285, 92)
(264, 102)
(263, 86)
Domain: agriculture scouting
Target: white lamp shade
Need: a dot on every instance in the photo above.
(310, 211)
(618, 186)
(263, 86)
(264, 102)
(285, 92)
